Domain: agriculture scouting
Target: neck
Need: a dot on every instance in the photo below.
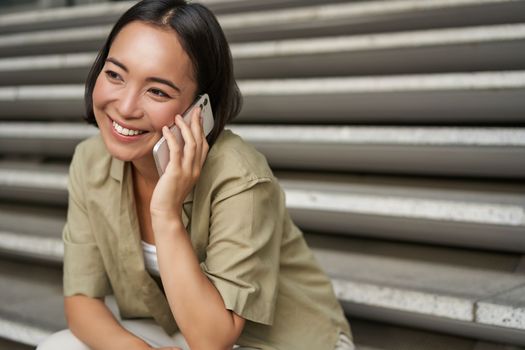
(145, 172)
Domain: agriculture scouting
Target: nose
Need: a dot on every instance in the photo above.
(128, 104)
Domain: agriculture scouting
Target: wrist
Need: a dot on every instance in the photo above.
(162, 224)
(164, 215)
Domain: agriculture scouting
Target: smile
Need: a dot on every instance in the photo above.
(125, 131)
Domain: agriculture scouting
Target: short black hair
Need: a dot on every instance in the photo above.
(202, 38)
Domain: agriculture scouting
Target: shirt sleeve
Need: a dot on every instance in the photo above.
(84, 271)
(242, 257)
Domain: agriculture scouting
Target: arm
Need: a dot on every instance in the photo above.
(85, 278)
(196, 304)
(92, 322)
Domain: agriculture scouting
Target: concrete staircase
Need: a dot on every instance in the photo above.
(396, 128)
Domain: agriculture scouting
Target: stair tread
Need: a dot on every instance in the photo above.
(303, 13)
(345, 46)
(509, 200)
(32, 295)
(426, 98)
(337, 135)
(504, 309)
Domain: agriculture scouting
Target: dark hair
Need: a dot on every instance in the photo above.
(203, 40)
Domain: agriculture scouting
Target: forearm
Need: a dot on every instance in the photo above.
(92, 322)
(195, 302)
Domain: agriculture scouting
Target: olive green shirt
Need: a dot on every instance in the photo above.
(241, 232)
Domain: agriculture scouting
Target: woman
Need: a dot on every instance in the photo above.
(206, 256)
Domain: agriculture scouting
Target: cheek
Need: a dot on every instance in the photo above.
(161, 114)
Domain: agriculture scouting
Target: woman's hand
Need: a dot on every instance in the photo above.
(183, 169)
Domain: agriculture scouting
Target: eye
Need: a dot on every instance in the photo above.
(112, 75)
(159, 93)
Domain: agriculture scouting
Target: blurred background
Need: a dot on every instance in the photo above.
(396, 128)
(11, 6)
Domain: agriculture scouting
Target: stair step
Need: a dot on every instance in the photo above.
(302, 22)
(483, 152)
(499, 47)
(47, 139)
(369, 281)
(99, 13)
(53, 221)
(15, 326)
(478, 97)
(367, 17)
(497, 97)
(52, 102)
(489, 216)
(32, 303)
(32, 232)
(35, 183)
(506, 309)
(403, 338)
(403, 291)
(62, 17)
(54, 41)
(435, 211)
(46, 69)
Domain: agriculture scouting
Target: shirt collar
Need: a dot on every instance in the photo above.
(117, 169)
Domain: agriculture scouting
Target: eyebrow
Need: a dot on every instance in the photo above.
(152, 79)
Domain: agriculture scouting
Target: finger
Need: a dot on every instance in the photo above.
(173, 146)
(189, 145)
(196, 129)
(197, 123)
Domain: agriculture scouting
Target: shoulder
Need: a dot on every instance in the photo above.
(231, 153)
(91, 149)
(91, 157)
(234, 164)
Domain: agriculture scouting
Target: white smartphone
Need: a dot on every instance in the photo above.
(161, 152)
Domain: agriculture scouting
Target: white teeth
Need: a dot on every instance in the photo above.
(126, 131)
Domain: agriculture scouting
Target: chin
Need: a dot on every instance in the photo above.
(126, 151)
(122, 157)
(121, 153)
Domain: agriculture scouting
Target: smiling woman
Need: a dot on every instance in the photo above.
(205, 256)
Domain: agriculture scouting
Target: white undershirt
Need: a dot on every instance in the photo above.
(150, 258)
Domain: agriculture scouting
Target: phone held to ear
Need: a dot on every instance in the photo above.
(161, 152)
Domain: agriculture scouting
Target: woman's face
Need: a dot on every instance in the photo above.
(146, 81)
